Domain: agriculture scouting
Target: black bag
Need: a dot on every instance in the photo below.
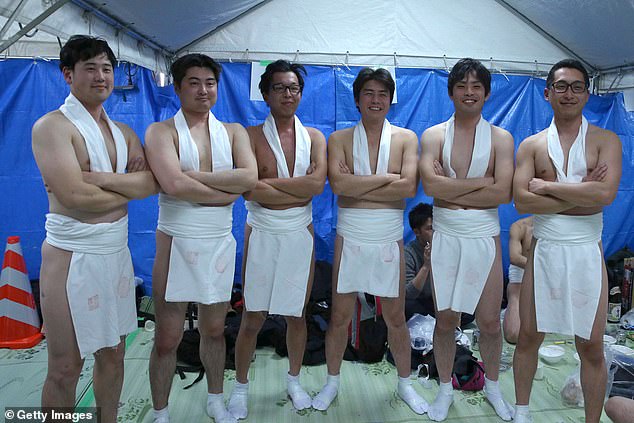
(372, 342)
(188, 356)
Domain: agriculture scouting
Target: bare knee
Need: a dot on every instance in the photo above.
(619, 409)
(511, 335)
(295, 323)
(489, 325)
(447, 323)
(64, 372)
(591, 353)
(252, 323)
(213, 330)
(339, 320)
(166, 343)
(111, 357)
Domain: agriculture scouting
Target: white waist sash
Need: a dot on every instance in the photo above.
(567, 272)
(462, 256)
(100, 282)
(370, 257)
(203, 251)
(516, 274)
(279, 258)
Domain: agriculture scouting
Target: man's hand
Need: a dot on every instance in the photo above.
(438, 170)
(93, 178)
(343, 168)
(537, 186)
(137, 164)
(311, 168)
(597, 175)
(427, 252)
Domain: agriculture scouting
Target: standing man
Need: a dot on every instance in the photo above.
(87, 280)
(520, 237)
(202, 166)
(279, 254)
(467, 166)
(372, 168)
(565, 175)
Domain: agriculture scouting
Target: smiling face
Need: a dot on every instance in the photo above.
(198, 90)
(468, 94)
(92, 80)
(567, 105)
(282, 102)
(374, 100)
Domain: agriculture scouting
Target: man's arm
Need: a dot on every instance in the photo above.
(405, 186)
(435, 183)
(313, 182)
(526, 201)
(138, 182)
(501, 190)
(515, 246)
(590, 193)
(342, 181)
(165, 164)
(52, 145)
(244, 175)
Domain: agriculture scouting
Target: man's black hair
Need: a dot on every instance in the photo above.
(193, 60)
(84, 47)
(281, 66)
(567, 63)
(419, 215)
(465, 66)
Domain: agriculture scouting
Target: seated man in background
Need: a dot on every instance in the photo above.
(418, 294)
(620, 409)
(520, 237)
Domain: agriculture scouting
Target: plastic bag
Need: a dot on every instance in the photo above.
(421, 333)
(621, 375)
(571, 393)
(627, 320)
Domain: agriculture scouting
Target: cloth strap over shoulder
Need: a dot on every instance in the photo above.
(302, 147)
(577, 167)
(95, 142)
(360, 152)
(481, 149)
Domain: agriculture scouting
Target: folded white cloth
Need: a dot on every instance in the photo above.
(302, 147)
(202, 257)
(567, 272)
(516, 274)
(481, 149)
(95, 143)
(577, 167)
(361, 154)
(462, 256)
(370, 258)
(100, 283)
(278, 259)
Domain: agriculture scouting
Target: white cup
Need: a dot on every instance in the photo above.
(149, 326)
(469, 333)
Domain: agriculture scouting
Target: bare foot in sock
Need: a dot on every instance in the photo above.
(300, 398)
(411, 398)
(440, 407)
(238, 402)
(502, 408)
(217, 410)
(323, 399)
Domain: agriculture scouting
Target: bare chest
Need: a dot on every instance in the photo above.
(395, 159)
(462, 156)
(267, 163)
(200, 135)
(545, 169)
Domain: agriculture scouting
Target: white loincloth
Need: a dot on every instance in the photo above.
(95, 143)
(370, 257)
(202, 257)
(100, 283)
(567, 272)
(516, 274)
(567, 260)
(462, 256)
(278, 259)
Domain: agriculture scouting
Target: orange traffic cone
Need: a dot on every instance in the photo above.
(19, 322)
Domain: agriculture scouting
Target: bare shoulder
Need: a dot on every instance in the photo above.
(342, 135)
(500, 135)
(407, 135)
(52, 121)
(126, 130)
(434, 133)
(602, 136)
(255, 130)
(234, 129)
(531, 143)
(315, 134)
(160, 130)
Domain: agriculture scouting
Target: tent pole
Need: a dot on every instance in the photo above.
(11, 19)
(31, 25)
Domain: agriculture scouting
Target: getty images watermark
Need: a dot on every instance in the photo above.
(40, 415)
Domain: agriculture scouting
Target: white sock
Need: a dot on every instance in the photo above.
(327, 394)
(238, 400)
(522, 415)
(300, 398)
(216, 409)
(494, 396)
(162, 415)
(440, 407)
(407, 393)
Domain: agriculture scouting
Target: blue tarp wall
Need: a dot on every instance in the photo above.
(31, 88)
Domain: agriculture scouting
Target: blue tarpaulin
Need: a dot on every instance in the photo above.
(31, 88)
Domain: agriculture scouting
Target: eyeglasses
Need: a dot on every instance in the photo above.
(561, 87)
(281, 88)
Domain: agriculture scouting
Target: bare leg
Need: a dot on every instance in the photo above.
(212, 343)
(444, 354)
(250, 326)
(593, 371)
(511, 322)
(170, 319)
(620, 409)
(336, 335)
(108, 380)
(529, 340)
(64, 361)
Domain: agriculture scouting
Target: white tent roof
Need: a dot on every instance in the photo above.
(509, 35)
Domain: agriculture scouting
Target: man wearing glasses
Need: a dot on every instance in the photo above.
(565, 175)
(279, 257)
